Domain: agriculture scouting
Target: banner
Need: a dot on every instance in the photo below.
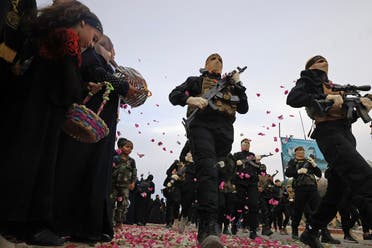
(310, 146)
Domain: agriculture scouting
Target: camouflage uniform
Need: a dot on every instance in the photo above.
(124, 173)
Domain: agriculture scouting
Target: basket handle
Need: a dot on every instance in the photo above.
(105, 96)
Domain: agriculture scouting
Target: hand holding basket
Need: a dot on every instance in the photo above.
(85, 125)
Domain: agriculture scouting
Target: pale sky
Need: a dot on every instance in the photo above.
(169, 40)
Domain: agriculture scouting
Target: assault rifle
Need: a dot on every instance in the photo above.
(211, 93)
(251, 160)
(352, 101)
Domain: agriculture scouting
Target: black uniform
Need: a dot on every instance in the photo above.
(305, 187)
(246, 180)
(172, 193)
(338, 145)
(211, 135)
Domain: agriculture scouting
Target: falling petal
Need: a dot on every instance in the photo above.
(277, 149)
(118, 133)
(258, 94)
(152, 140)
(164, 149)
(136, 125)
(139, 132)
(275, 139)
(281, 86)
(163, 133)
(285, 92)
(291, 116)
(268, 111)
(170, 151)
(140, 155)
(160, 143)
(261, 134)
(178, 142)
(157, 105)
(129, 112)
(280, 117)
(222, 185)
(273, 125)
(241, 134)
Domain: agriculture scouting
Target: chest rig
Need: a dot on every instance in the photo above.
(333, 113)
(224, 101)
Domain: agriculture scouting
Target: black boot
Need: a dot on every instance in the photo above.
(226, 230)
(253, 233)
(310, 238)
(234, 228)
(295, 232)
(209, 233)
(202, 230)
(327, 238)
(266, 231)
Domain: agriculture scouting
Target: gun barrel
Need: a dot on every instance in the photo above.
(350, 87)
(364, 87)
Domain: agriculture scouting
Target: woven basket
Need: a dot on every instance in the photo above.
(85, 125)
(138, 93)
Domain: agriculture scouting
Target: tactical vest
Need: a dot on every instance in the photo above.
(334, 113)
(225, 101)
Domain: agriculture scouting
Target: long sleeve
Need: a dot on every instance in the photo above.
(307, 89)
(179, 95)
(291, 170)
(317, 172)
(95, 69)
(172, 167)
(242, 106)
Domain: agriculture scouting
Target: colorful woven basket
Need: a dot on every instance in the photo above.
(138, 92)
(85, 125)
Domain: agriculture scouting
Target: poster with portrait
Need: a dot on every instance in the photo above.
(311, 149)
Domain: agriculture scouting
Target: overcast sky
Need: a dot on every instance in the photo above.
(169, 40)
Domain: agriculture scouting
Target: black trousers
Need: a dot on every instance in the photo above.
(304, 196)
(208, 144)
(248, 204)
(187, 191)
(346, 165)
